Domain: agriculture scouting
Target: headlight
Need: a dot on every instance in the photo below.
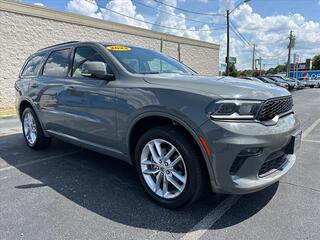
(233, 109)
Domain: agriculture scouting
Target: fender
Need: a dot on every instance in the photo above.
(195, 133)
(34, 107)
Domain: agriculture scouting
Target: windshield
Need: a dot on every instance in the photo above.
(144, 61)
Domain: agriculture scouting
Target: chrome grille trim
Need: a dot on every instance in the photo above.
(275, 107)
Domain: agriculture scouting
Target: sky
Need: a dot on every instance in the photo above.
(265, 23)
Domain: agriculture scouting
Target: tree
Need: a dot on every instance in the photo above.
(233, 71)
(277, 69)
(316, 62)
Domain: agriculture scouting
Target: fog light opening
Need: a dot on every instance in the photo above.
(251, 151)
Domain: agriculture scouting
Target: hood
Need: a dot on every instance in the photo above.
(223, 87)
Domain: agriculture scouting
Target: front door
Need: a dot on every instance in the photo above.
(89, 103)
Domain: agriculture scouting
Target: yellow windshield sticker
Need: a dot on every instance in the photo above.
(118, 48)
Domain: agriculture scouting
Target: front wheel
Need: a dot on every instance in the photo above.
(169, 167)
(32, 131)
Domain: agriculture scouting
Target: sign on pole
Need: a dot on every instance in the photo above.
(231, 60)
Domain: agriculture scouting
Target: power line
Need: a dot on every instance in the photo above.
(147, 22)
(238, 33)
(166, 12)
(187, 10)
(243, 40)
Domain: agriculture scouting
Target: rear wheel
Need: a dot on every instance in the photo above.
(32, 131)
(169, 167)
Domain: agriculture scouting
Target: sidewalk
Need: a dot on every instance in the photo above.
(9, 125)
(7, 112)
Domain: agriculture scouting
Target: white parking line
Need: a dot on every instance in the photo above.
(38, 161)
(312, 141)
(209, 220)
(309, 129)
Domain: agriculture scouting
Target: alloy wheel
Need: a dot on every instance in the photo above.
(163, 168)
(30, 128)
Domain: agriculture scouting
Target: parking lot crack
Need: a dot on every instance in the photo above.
(172, 235)
(300, 186)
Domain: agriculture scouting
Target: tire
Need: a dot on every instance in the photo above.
(190, 167)
(40, 141)
(311, 86)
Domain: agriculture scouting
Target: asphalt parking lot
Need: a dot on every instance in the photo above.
(66, 192)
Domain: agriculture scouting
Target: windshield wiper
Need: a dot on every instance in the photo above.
(150, 73)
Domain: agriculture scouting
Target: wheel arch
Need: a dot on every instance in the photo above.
(154, 119)
(27, 103)
(23, 105)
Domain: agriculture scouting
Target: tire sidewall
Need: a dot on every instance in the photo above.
(39, 129)
(179, 141)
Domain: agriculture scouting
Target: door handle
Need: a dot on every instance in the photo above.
(34, 85)
(69, 88)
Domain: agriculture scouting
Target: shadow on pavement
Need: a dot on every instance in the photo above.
(110, 188)
(247, 206)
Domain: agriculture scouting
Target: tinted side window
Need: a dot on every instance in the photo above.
(57, 64)
(83, 55)
(33, 66)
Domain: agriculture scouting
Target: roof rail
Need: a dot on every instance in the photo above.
(59, 44)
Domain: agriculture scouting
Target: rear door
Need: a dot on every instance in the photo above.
(27, 82)
(50, 86)
(89, 103)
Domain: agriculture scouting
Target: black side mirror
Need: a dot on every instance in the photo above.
(96, 70)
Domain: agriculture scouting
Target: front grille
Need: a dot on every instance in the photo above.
(274, 107)
(270, 166)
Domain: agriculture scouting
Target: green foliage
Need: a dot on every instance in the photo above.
(233, 72)
(316, 62)
(277, 69)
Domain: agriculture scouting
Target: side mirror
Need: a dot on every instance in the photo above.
(96, 70)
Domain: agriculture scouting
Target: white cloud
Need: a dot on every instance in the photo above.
(150, 3)
(84, 7)
(270, 33)
(176, 23)
(127, 8)
(39, 4)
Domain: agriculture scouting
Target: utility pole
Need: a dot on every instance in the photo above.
(291, 45)
(260, 61)
(228, 33)
(253, 58)
(228, 42)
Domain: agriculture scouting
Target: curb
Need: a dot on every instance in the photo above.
(7, 117)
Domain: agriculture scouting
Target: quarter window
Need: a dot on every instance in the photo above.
(57, 64)
(83, 55)
(33, 66)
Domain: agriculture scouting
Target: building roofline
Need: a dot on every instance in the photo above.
(46, 13)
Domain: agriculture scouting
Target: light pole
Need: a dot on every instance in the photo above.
(228, 33)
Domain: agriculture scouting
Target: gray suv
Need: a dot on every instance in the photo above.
(179, 130)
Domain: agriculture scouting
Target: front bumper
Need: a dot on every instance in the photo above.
(228, 140)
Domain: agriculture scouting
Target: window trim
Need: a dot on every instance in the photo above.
(107, 61)
(50, 52)
(21, 75)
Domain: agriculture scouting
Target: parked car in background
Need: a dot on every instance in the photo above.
(312, 83)
(301, 83)
(253, 79)
(318, 82)
(272, 81)
(298, 84)
(182, 132)
(290, 85)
